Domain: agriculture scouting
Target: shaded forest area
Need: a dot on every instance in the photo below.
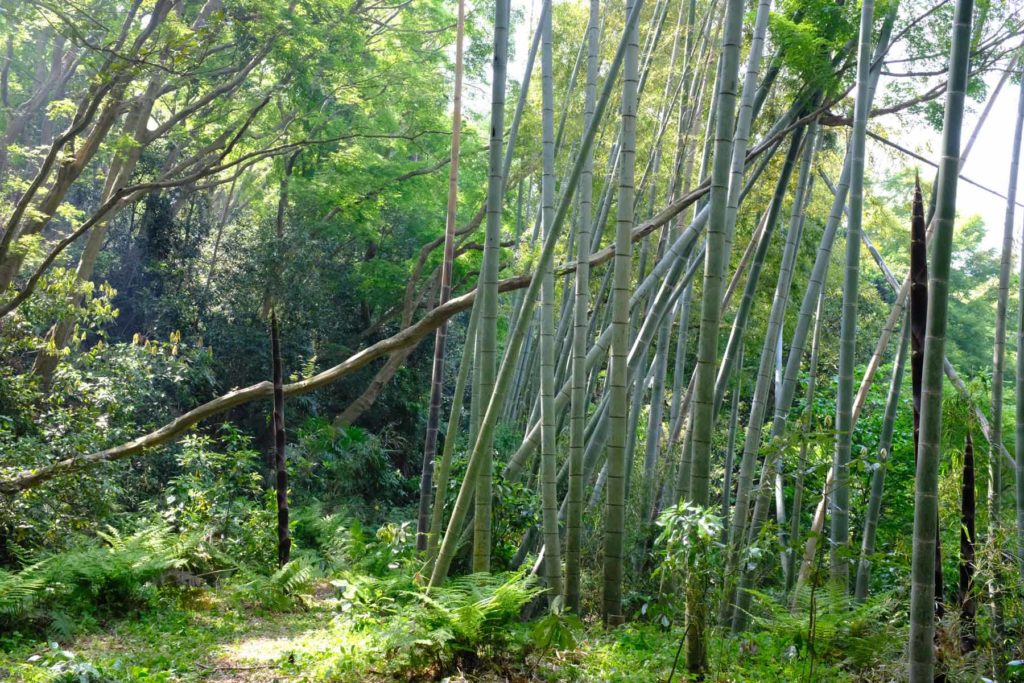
(358, 340)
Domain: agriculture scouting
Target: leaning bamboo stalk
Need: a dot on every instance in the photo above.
(444, 466)
(758, 403)
(999, 349)
(873, 513)
(772, 463)
(1018, 465)
(807, 423)
(477, 457)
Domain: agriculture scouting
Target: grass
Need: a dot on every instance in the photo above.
(184, 639)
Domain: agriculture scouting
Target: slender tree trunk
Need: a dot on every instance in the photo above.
(730, 453)
(968, 605)
(807, 423)
(995, 469)
(440, 337)
(284, 543)
(926, 508)
(444, 467)
(1019, 384)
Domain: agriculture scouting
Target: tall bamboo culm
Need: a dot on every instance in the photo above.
(581, 327)
(711, 313)
(926, 501)
(548, 470)
(840, 498)
(487, 332)
(615, 504)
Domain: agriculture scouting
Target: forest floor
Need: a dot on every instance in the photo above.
(208, 636)
(201, 638)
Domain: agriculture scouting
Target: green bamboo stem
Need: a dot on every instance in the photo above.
(758, 403)
(772, 467)
(807, 423)
(718, 243)
(487, 343)
(922, 618)
(574, 496)
(999, 348)
(617, 373)
(549, 493)
(840, 498)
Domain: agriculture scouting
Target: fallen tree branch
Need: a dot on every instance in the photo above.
(27, 479)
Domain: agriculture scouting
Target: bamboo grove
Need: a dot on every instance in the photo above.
(669, 302)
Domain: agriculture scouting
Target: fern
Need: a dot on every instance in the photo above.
(111, 572)
(20, 590)
(843, 628)
(468, 615)
(283, 588)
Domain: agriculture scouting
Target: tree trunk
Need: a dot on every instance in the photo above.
(284, 543)
(968, 605)
(440, 337)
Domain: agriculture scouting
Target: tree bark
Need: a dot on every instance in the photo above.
(284, 543)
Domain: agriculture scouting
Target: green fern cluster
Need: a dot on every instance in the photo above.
(282, 589)
(112, 571)
(827, 623)
(465, 620)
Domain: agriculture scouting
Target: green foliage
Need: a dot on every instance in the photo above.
(343, 543)
(828, 625)
(110, 574)
(278, 591)
(556, 629)
(807, 34)
(404, 632)
(468, 615)
(348, 464)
